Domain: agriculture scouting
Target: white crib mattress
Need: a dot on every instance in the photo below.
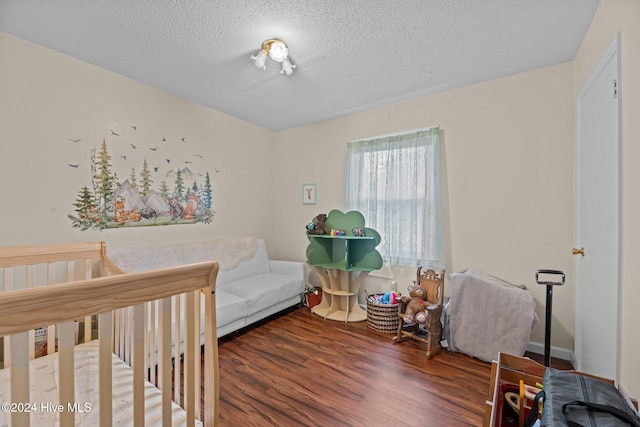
(43, 374)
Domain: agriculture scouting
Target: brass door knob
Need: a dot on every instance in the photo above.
(577, 251)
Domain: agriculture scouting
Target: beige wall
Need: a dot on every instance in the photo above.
(508, 178)
(46, 98)
(622, 16)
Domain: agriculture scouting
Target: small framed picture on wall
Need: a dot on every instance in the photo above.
(308, 194)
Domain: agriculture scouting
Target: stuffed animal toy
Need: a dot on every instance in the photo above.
(358, 232)
(320, 226)
(390, 297)
(416, 310)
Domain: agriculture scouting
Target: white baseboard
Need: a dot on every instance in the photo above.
(557, 352)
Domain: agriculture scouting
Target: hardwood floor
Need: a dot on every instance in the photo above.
(301, 370)
(297, 369)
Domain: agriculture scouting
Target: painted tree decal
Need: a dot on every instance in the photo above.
(104, 178)
(179, 188)
(87, 211)
(145, 176)
(132, 179)
(207, 191)
(164, 190)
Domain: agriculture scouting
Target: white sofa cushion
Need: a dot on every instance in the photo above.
(229, 308)
(264, 290)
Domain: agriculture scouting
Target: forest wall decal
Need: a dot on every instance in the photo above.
(156, 189)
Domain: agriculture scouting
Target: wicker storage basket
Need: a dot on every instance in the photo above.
(382, 317)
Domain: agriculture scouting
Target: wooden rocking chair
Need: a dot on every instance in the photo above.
(431, 331)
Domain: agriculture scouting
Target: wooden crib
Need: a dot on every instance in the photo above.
(76, 296)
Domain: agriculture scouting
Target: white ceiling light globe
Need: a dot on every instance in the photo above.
(287, 67)
(278, 51)
(260, 59)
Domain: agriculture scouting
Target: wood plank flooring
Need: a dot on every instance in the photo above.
(301, 370)
(297, 369)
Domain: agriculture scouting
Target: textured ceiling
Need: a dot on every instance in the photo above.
(351, 55)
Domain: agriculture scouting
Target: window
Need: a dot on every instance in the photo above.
(394, 181)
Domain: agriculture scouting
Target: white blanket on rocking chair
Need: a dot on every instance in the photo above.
(487, 315)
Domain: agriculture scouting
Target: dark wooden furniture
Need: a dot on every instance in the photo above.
(431, 331)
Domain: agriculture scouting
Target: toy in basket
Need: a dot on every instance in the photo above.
(382, 312)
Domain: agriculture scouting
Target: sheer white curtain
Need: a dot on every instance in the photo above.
(394, 181)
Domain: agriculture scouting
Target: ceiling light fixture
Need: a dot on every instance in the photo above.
(278, 51)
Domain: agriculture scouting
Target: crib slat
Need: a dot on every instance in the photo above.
(66, 372)
(106, 347)
(51, 339)
(138, 364)
(189, 359)
(121, 317)
(128, 316)
(151, 344)
(51, 330)
(105, 368)
(19, 376)
(177, 303)
(164, 358)
(197, 371)
(31, 283)
(211, 383)
(88, 265)
(7, 280)
(70, 271)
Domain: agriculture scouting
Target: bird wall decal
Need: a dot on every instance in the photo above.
(113, 133)
(74, 165)
(74, 140)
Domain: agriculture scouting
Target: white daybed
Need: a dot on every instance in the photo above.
(249, 287)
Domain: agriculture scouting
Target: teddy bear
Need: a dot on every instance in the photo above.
(320, 226)
(416, 309)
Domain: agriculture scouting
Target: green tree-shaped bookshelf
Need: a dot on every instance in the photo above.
(342, 263)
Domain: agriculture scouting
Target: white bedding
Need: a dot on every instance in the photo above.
(43, 390)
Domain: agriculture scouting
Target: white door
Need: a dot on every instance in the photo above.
(597, 219)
